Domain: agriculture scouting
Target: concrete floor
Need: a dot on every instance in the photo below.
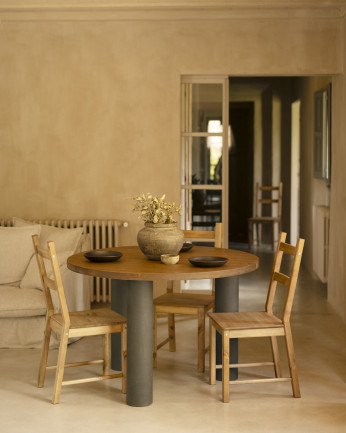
(183, 399)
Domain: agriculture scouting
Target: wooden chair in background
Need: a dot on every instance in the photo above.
(67, 325)
(187, 303)
(274, 198)
(260, 324)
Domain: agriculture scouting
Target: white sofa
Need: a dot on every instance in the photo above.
(22, 303)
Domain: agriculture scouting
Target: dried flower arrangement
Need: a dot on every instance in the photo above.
(155, 210)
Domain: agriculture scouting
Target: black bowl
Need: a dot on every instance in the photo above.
(208, 261)
(103, 256)
(186, 247)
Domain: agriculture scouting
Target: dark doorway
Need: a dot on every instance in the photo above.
(241, 119)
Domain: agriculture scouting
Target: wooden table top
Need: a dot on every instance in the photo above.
(133, 265)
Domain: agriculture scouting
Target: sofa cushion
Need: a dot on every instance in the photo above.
(17, 302)
(16, 251)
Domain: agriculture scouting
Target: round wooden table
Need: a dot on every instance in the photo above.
(132, 296)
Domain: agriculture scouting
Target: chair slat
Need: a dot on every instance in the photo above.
(199, 234)
(287, 248)
(51, 284)
(268, 201)
(44, 252)
(268, 188)
(281, 278)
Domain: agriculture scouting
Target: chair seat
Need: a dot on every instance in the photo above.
(185, 300)
(265, 219)
(91, 318)
(246, 320)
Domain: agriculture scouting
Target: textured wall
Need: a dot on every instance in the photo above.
(90, 101)
(90, 109)
(312, 191)
(315, 192)
(337, 258)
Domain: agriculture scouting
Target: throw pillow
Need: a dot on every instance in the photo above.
(66, 242)
(64, 239)
(32, 279)
(19, 222)
(16, 251)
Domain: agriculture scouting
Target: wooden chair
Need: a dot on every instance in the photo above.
(76, 324)
(254, 222)
(260, 324)
(187, 303)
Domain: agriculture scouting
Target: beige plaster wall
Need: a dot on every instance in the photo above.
(314, 191)
(337, 258)
(90, 109)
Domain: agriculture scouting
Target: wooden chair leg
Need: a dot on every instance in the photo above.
(124, 358)
(171, 332)
(155, 339)
(250, 234)
(292, 362)
(106, 354)
(60, 367)
(44, 355)
(273, 240)
(225, 366)
(201, 339)
(276, 357)
(212, 354)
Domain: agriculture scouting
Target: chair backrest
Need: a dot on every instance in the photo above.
(49, 269)
(202, 235)
(268, 195)
(289, 279)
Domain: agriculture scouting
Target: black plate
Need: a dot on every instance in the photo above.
(186, 247)
(103, 256)
(208, 261)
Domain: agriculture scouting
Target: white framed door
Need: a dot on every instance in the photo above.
(205, 141)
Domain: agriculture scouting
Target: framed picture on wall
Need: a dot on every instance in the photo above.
(322, 134)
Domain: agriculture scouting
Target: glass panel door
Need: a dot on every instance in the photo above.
(204, 165)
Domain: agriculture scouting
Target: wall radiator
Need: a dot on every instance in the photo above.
(103, 234)
(320, 254)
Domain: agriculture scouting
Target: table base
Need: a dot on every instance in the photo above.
(134, 300)
(139, 313)
(227, 300)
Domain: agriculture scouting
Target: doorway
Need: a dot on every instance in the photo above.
(241, 120)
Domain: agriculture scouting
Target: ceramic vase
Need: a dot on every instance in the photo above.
(156, 239)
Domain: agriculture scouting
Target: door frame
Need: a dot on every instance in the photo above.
(186, 184)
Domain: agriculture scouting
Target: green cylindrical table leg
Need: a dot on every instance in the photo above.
(139, 313)
(227, 300)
